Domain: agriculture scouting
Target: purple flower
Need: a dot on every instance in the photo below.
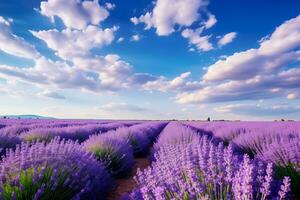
(191, 166)
(266, 185)
(41, 170)
(114, 152)
(285, 188)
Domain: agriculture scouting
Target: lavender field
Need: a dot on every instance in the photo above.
(149, 100)
(85, 159)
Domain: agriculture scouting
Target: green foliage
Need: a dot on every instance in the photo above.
(111, 159)
(38, 137)
(26, 184)
(289, 170)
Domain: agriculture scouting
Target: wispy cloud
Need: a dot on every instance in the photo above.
(258, 110)
(135, 38)
(122, 107)
(13, 44)
(227, 38)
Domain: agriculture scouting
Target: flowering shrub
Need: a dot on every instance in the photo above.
(8, 141)
(58, 170)
(115, 153)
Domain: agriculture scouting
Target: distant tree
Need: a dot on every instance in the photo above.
(282, 120)
(208, 119)
(4, 117)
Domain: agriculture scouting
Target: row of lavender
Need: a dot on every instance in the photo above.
(16, 131)
(275, 142)
(66, 169)
(192, 165)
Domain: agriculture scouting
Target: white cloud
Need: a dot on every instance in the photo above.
(113, 72)
(107, 73)
(211, 21)
(121, 39)
(255, 88)
(4, 21)
(293, 95)
(168, 13)
(257, 110)
(75, 14)
(110, 6)
(11, 91)
(13, 44)
(273, 54)
(201, 42)
(135, 38)
(226, 39)
(263, 73)
(134, 20)
(73, 43)
(111, 107)
(177, 84)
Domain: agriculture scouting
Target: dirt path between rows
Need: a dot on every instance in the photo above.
(126, 185)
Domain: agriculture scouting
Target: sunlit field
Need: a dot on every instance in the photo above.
(94, 159)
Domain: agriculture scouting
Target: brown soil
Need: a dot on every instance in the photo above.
(126, 185)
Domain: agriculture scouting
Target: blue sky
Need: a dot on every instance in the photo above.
(184, 59)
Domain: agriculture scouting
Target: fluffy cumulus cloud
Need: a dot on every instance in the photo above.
(266, 72)
(13, 44)
(178, 84)
(167, 14)
(79, 67)
(110, 69)
(200, 42)
(74, 13)
(95, 74)
(75, 43)
(274, 53)
(226, 39)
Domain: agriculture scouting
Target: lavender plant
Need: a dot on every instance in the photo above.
(58, 170)
(8, 141)
(115, 153)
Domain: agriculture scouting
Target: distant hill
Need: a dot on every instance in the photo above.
(25, 117)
